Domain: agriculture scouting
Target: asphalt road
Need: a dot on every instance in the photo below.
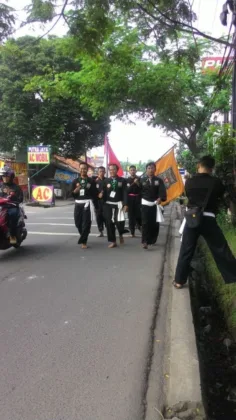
(75, 324)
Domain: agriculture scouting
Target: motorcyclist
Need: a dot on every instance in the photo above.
(14, 193)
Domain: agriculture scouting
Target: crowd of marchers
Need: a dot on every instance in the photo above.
(108, 199)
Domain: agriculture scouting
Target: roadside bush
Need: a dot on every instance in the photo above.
(225, 294)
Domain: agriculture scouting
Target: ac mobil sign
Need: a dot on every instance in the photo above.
(213, 63)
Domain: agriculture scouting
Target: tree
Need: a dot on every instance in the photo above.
(7, 20)
(221, 144)
(128, 76)
(27, 117)
(91, 21)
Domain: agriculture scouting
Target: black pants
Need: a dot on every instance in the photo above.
(110, 225)
(134, 213)
(100, 216)
(150, 228)
(13, 217)
(218, 245)
(82, 218)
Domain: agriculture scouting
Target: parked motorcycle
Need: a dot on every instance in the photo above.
(21, 235)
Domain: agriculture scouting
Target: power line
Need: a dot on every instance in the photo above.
(214, 19)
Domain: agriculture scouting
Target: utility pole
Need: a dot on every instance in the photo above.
(230, 7)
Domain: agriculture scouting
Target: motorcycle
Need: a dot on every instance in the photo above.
(21, 235)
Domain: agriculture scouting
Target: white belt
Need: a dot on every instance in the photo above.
(121, 214)
(205, 213)
(159, 215)
(88, 203)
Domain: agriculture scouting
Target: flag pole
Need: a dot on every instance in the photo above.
(107, 144)
(166, 153)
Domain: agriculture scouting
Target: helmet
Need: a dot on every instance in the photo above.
(7, 172)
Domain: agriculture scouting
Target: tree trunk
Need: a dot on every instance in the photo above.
(192, 145)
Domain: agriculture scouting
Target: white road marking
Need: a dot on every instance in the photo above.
(56, 218)
(53, 224)
(57, 233)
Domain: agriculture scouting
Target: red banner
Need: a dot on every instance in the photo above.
(110, 156)
(213, 63)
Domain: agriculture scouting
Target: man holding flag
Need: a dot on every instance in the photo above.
(153, 194)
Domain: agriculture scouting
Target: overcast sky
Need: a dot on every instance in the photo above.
(138, 142)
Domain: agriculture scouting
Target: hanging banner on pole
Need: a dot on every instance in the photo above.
(38, 155)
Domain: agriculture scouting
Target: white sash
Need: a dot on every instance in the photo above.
(121, 214)
(88, 203)
(159, 215)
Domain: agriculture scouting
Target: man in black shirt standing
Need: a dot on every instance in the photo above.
(153, 193)
(100, 202)
(115, 199)
(199, 188)
(84, 193)
(134, 200)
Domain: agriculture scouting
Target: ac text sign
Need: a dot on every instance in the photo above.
(38, 155)
(42, 193)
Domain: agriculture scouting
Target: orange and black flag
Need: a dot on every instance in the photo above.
(167, 169)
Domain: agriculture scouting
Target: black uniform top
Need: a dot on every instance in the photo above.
(153, 188)
(132, 187)
(115, 189)
(99, 185)
(197, 188)
(15, 192)
(87, 190)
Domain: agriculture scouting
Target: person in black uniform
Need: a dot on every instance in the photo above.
(197, 190)
(84, 193)
(134, 200)
(115, 199)
(100, 203)
(153, 192)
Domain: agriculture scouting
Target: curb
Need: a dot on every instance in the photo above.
(159, 368)
(174, 376)
(185, 381)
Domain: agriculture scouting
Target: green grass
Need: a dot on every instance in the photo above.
(225, 294)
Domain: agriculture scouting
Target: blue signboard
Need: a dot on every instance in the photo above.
(65, 176)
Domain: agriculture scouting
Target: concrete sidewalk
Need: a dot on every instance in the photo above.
(184, 391)
(174, 390)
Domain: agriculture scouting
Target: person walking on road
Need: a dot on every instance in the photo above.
(115, 198)
(84, 193)
(153, 193)
(100, 203)
(205, 193)
(134, 200)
